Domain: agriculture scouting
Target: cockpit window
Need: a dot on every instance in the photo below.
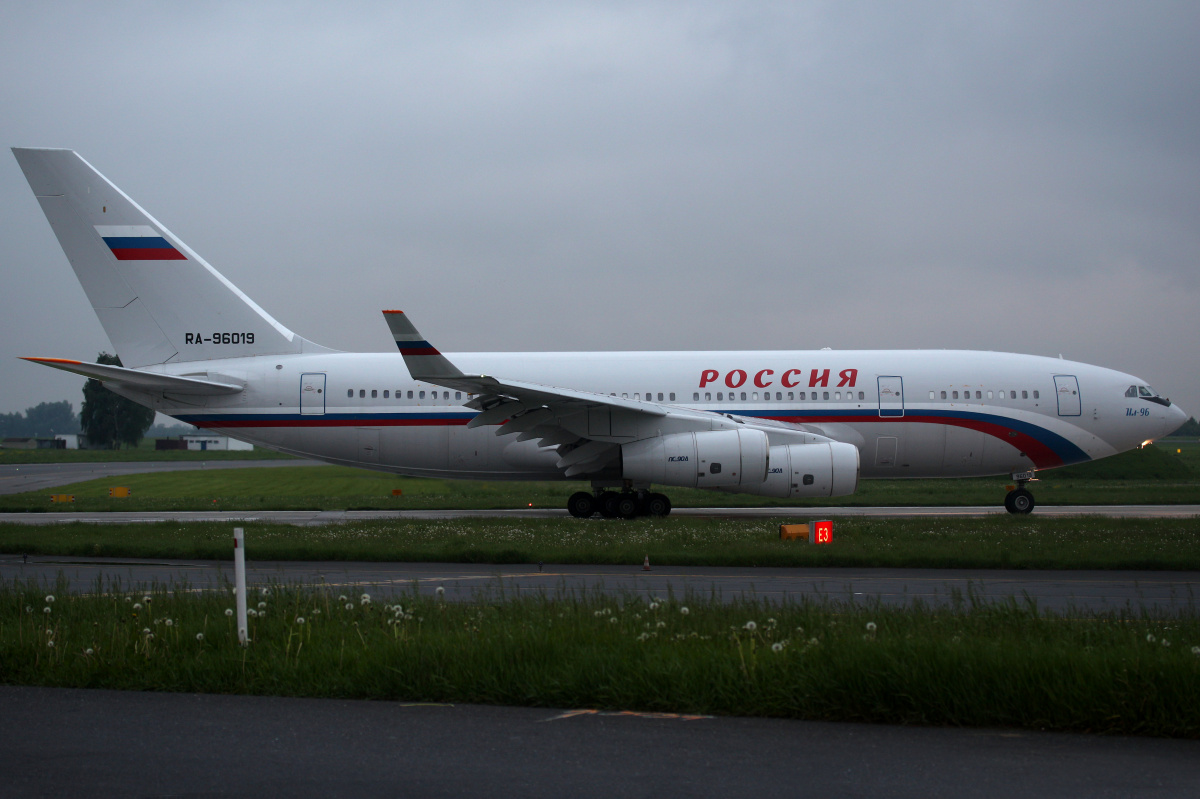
(1146, 391)
(1131, 391)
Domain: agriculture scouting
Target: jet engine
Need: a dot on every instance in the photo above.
(810, 470)
(731, 459)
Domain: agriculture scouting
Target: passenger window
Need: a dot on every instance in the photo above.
(720, 396)
(824, 395)
(672, 396)
(754, 396)
(1024, 395)
(1001, 395)
(1036, 395)
(802, 396)
(374, 393)
(660, 396)
(458, 395)
(861, 395)
(791, 397)
(421, 395)
(978, 395)
(410, 395)
(931, 395)
(362, 393)
(943, 395)
(624, 395)
(637, 395)
(708, 396)
(349, 392)
(743, 395)
(778, 395)
(955, 395)
(837, 395)
(695, 396)
(385, 394)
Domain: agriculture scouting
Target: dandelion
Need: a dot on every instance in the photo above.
(300, 620)
(49, 599)
(684, 611)
(771, 622)
(262, 613)
(598, 614)
(1165, 642)
(128, 599)
(88, 651)
(870, 626)
(228, 611)
(613, 620)
(28, 609)
(137, 605)
(751, 626)
(50, 644)
(440, 591)
(199, 636)
(365, 599)
(266, 592)
(46, 609)
(1150, 638)
(146, 599)
(654, 606)
(776, 647)
(170, 623)
(342, 598)
(316, 611)
(349, 606)
(262, 605)
(800, 630)
(813, 641)
(1196, 650)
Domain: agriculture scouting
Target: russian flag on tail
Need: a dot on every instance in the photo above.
(138, 243)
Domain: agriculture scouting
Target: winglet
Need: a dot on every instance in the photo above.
(422, 358)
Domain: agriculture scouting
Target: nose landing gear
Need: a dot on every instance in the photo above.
(1020, 500)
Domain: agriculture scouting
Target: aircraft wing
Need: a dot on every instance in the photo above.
(587, 427)
(138, 380)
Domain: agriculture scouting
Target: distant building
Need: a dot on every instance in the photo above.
(22, 442)
(202, 441)
(71, 440)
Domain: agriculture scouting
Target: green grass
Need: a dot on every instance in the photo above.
(975, 664)
(990, 542)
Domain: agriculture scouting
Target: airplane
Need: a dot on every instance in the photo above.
(774, 423)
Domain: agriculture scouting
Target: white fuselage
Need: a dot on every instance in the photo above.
(909, 413)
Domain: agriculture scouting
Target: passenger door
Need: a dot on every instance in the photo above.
(891, 395)
(1067, 389)
(312, 393)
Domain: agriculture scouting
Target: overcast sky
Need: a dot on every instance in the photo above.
(560, 176)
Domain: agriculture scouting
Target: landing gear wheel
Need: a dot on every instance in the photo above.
(581, 505)
(658, 505)
(627, 506)
(1019, 501)
(608, 504)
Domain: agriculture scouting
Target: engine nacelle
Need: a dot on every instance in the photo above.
(810, 470)
(732, 459)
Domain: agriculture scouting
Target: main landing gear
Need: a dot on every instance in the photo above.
(627, 504)
(1020, 500)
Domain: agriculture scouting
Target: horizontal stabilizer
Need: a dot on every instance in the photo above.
(139, 380)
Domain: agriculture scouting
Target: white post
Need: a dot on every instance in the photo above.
(239, 580)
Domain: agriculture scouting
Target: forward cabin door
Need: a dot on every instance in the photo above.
(891, 395)
(312, 393)
(1067, 389)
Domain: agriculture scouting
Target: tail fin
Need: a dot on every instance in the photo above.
(158, 301)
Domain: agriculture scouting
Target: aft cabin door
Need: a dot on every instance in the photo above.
(312, 393)
(1067, 389)
(891, 396)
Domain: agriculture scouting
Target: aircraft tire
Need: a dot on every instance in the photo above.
(627, 506)
(581, 505)
(1019, 501)
(658, 505)
(608, 504)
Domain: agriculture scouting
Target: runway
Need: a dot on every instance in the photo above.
(62, 742)
(1152, 591)
(305, 518)
(22, 477)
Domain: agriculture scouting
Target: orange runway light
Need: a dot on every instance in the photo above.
(397, 492)
(119, 491)
(62, 497)
(787, 532)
